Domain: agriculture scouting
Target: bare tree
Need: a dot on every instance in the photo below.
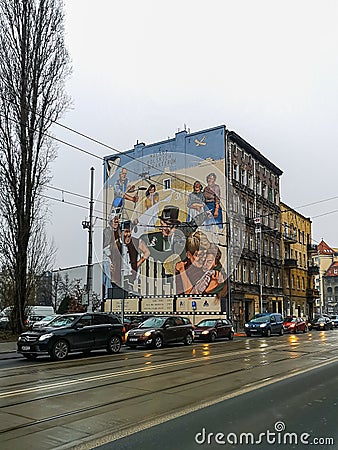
(34, 65)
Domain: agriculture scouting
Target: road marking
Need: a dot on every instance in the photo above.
(103, 438)
(108, 376)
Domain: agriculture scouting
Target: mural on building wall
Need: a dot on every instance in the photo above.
(166, 217)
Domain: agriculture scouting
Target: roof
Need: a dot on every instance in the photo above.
(332, 271)
(324, 249)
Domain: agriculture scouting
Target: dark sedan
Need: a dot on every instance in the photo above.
(161, 330)
(212, 329)
(78, 332)
(321, 323)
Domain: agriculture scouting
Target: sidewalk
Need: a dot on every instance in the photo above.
(6, 346)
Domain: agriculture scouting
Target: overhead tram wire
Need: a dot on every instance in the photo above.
(103, 145)
(135, 159)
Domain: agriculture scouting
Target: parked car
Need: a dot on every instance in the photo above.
(161, 330)
(334, 319)
(42, 322)
(321, 323)
(293, 324)
(265, 325)
(212, 329)
(78, 332)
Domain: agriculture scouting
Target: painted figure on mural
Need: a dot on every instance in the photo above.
(152, 197)
(190, 270)
(168, 240)
(196, 201)
(212, 195)
(123, 191)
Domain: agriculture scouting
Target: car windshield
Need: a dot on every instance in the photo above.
(206, 323)
(62, 321)
(47, 319)
(261, 319)
(153, 322)
(290, 319)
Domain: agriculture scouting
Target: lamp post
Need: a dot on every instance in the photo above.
(89, 226)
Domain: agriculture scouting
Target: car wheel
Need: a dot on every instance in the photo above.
(31, 356)
(158, 342)
(305, 330)
(282, 331)
(188, 339)
(268, 332)
(231, 336)
(212, 337)
(296, 331)
(114, 344)
(59, 350)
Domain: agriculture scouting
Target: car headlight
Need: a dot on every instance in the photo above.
(246, 325)
(43, 337)
(205, 332)
(126, 334)
(321, 324)
(263, 325)
(148, 333)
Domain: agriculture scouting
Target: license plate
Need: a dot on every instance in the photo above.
(133, 339)
(25, 347)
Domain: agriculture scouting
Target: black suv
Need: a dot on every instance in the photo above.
(78, 332)
(160, 330)
(265, 325)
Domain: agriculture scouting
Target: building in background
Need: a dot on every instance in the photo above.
(325, 257)
(299, 270)
(330, 289)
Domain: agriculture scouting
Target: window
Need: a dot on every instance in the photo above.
(251, 242)
(277, 251)
(303, 284)
(250, 180)
(244, 273)
(236, 201)
(243, 176)
(250, 210)
(272, 249)
(272, 279)
(167, 184)
(236, 273)
(252, 275)
(278, 280)
(264, 191)
(259, 187)
(298, 283)
(235, 172)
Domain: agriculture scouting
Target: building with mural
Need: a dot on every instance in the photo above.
(193, 223)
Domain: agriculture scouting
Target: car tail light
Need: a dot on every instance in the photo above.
(123, 329)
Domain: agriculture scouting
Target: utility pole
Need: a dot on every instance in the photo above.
(89, 226)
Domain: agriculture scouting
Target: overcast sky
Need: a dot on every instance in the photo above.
(143, 68)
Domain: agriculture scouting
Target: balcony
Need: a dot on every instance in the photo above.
(313, 270)
(290, 263)
(312, 248)
(290, 237)
(312, 293)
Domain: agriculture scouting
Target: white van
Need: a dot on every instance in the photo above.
(38, 312)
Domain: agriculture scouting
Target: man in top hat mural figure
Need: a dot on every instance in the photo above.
(167, 241)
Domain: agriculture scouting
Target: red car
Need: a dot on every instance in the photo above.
(293, 324)
(211, 329)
